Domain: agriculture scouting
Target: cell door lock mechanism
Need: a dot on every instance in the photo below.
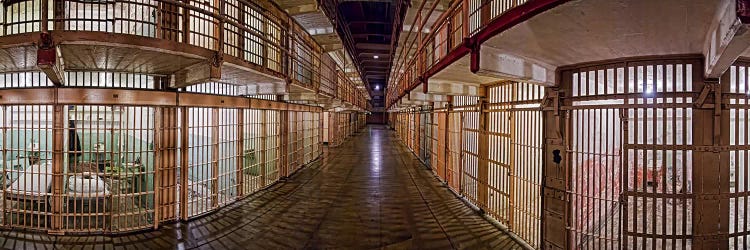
(556, 157)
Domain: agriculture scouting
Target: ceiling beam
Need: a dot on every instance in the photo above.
(373, 46)
(368, 22)
(727, 38)
(357, 44)
(332, 47)
(365, 35)
(372, 1)
(329, 37)
(504, 65)
(49, 59)
(206, 71)
(374, 71)
(303, 9)
(375, 62)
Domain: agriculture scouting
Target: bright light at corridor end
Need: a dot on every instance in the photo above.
(375, 56)
(377, 87)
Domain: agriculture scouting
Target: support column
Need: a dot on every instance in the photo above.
(512, 173)
(320, 133)
(186, 23)
(556, 164)
(332, 128)
(264, 47)
(284, 148)
(710, 166)
(184, 163)
(460, 153)
(58, 167)
(417, 131)
(240, 152)
(723, 120)
(448, 160)
(291, 131)
(442, 124)
(298, 145)
(483, 154)
(215, 158)
(59, 14)
(464, 18)
(263, 149)
(4, 181)
(219, 26)
(167, 25)
(242, 35)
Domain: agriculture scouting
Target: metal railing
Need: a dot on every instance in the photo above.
(257, 32)
(419, 53)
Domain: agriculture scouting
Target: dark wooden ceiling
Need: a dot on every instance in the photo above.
(368, 30)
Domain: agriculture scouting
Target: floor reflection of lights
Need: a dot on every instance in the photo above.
(376, 162)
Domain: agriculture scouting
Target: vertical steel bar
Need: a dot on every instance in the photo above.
(58, 121)
(184, 165)
(240, 157)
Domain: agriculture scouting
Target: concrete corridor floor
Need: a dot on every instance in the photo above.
(369, 193)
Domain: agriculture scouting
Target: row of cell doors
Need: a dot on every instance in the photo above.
(634, 178)
(630, 154)
(116, 157)
(419, 135)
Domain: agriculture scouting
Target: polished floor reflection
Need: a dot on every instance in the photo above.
(368, 193)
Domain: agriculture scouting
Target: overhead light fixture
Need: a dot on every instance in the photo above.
(375, 56)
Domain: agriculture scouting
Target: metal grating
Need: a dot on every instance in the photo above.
(27, 166)
(261, 149)
(296, 147)
(21, 17)
(109, 178)
(432, 145)
(202, 141)
(441, 152)
(202, 32)
(272, 145)
(515, 157)
(24, 80)
(470, 155)
(629, 161)
(739, 157)
(215, 88)
(110, 80)
(227, 157)
(453, 168)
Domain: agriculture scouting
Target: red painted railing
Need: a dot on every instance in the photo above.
(457, 32)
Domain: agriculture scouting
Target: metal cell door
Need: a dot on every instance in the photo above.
(442, 153)
(657, 162)
(426, 138)
(470, 182)
(631, 155)
(453, 157)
